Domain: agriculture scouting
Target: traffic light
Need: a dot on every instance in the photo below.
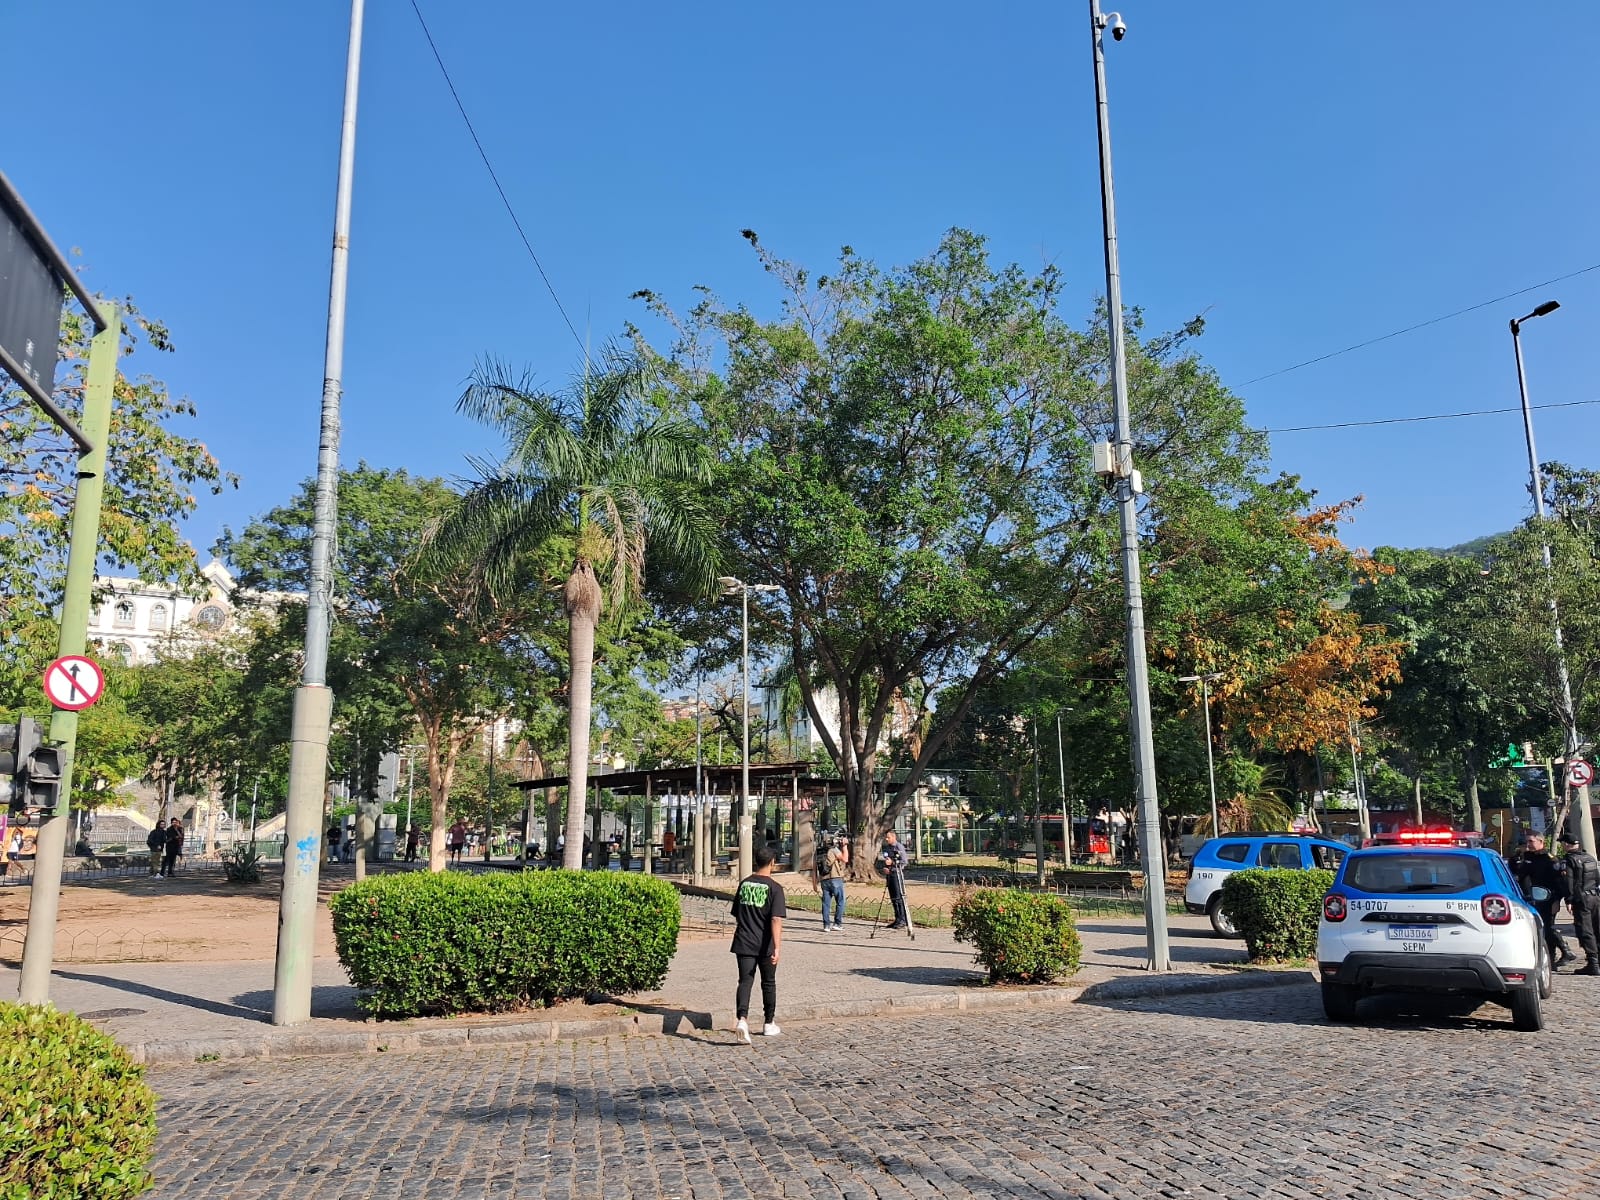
(34, 767)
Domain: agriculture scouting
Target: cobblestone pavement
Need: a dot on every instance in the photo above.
(1246, 1094)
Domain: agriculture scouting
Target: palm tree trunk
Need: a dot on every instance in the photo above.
(583, 613)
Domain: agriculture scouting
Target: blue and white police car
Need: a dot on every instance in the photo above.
(1222, 856)
(1431, 919)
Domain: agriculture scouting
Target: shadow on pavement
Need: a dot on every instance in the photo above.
(1194, 954)
(933, 976)
(337, 1001)
(1301, 1004)
(1173, 931)
(157, 993)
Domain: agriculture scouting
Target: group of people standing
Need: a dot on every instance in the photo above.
(1574, 880)
(165, 843)
(760, 906)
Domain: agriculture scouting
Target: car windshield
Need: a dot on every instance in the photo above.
(1400, 874)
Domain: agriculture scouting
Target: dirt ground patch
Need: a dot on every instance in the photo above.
(201, 917)
(189, 918)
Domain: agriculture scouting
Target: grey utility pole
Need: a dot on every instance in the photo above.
(730, 587)
(1583, 825)
(1151, 845)
(313, 702)
(1211, 768)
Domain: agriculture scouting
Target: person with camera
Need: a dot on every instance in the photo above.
(891, 865)
(833, 861)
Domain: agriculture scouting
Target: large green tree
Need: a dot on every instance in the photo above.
(907, 454)
(601, 473)
(153, 475)
(411, 649)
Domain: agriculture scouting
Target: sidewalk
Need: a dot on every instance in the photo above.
(186, 1012)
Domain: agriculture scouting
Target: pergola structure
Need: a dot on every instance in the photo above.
(692, 819)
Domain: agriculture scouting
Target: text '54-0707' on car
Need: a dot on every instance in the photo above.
(1431, 919)
(1222, 856)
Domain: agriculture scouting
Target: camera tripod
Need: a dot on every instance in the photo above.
(898, 876)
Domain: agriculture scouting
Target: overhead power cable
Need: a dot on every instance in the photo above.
(1460, 312)
(1479, 412)
(489, 166)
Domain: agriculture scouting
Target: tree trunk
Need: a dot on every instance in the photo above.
(1474, 807)
(582, 599)
(441, 773)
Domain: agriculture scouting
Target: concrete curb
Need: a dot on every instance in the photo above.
(668, 1020)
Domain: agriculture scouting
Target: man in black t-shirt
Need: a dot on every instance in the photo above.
(758, 912)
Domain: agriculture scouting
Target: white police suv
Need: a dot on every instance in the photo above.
(1221, 856)
(1431, 919)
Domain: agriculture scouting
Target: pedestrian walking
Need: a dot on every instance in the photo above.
(333, 843)
(1545, 885)
(833, 862)
(174, 848)
(458, 839)
(758, 912)
(156, 842)
(412, 836)
(1583, 887)
(891, 865)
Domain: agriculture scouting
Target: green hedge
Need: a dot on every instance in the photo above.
(1276, 910)
(1017, 936)
(76, 1119)
(424, 943)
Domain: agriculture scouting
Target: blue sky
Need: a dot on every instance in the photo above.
(1307, 175)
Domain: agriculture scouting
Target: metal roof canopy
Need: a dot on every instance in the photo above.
(684, 777)
(46, 257)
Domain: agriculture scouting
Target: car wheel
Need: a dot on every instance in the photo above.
(1526, 1013)
(1546, 986)
(1339, 1001)
(1219, 919)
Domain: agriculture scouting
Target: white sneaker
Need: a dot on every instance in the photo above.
(744, 1031)
(769, 1031)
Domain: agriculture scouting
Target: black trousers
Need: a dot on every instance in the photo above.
(897, 894)
(169, 864)
(1586, 916)
(749, 964)
(1552, 936)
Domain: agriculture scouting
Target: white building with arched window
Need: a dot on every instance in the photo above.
(134, 617)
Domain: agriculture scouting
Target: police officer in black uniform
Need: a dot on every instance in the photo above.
(1583, 886)
(1545, 884)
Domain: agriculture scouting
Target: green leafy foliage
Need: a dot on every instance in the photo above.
(425, 943)
(153, 475)
(242, 864)
(1017, 936)
(1276, 910)
(76, 1119)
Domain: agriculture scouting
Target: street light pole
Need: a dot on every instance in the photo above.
(1211, 769)
(731, 586)
(1142, 747)
(1569, 715)
(313, 701)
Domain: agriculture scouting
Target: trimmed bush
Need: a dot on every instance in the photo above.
(423, 943)
(1276, 910)
(1017, 936)
(76, 1119)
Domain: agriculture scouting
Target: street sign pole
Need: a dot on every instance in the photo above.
(38, 949)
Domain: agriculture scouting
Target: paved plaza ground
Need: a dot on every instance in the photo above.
(878, 1087)
(1246, 1094)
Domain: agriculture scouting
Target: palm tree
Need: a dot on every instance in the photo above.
(599, 473)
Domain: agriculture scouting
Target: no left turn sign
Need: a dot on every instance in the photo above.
(1580, 773)
(74, 682)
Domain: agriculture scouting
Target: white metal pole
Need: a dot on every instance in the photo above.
(1211, 770)
(313, 702)
(1151, 844)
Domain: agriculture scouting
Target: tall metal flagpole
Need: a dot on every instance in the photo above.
(313, 702)
(1151, 845)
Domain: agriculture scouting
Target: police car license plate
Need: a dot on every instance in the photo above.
(1413, 933)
